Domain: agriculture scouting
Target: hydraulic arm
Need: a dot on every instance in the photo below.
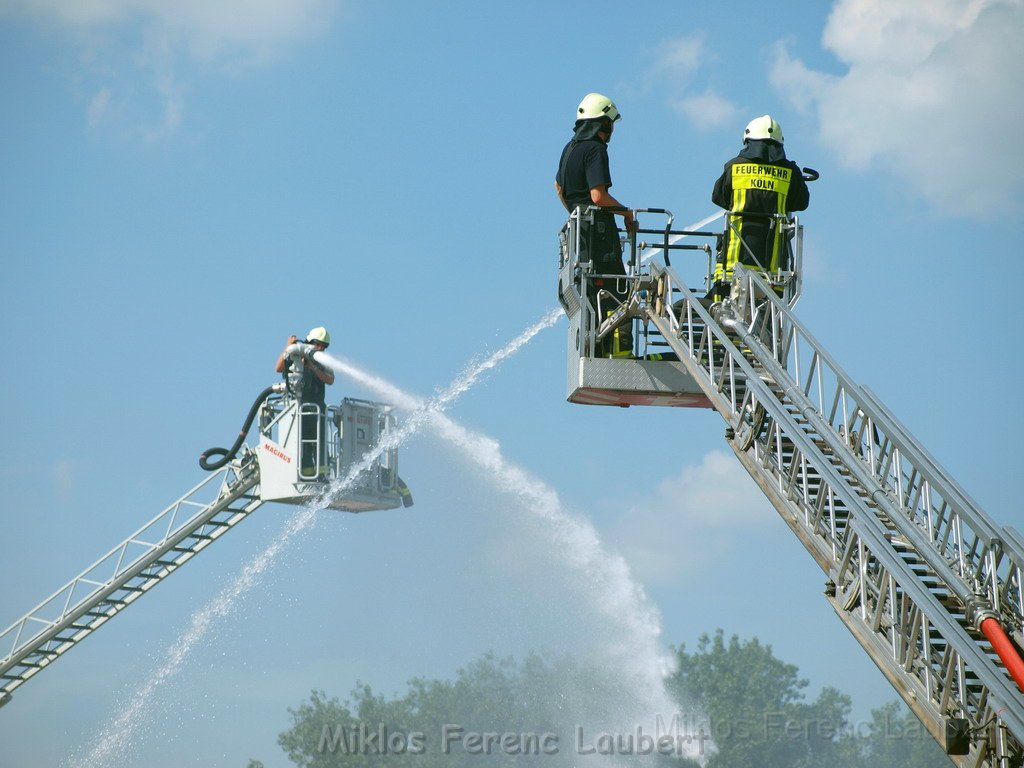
(292, 434)
(926, 582)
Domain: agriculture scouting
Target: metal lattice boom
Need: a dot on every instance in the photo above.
(913, 564)
(269, 472)
(104, 589)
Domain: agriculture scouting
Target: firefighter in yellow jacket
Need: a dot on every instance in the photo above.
(757, 183)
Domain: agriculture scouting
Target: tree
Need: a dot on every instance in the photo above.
(751, 705)
(496, 712)
(756, 710)
(897, 737)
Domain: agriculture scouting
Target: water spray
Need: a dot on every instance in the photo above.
(117, 736)
(617, 597)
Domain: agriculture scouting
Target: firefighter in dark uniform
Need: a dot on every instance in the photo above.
(315, 378)
(758, 182)
(583, 179)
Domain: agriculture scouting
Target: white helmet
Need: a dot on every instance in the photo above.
(763, 127)
(319, 334)
(596, 105)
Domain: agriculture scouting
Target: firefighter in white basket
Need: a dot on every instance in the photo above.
(315, 378)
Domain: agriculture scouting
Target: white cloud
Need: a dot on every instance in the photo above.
(679, 59)
(98, 106)
(930, 94)
(208, 26)
(170, 94)
(64, 472)
(708, 110)
(124, 41)
(691, 520)
(676, 67)
(901, 33)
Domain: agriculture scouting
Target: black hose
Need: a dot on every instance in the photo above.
(229, 454)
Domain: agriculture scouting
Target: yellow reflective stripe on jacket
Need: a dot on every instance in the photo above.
(735, 223)
(617, 350)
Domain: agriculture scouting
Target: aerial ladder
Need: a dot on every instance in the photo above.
(928, 584)
(300, 451)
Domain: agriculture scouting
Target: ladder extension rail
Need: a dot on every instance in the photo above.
(989, 570)
(1007, 548)
(126, 572)
(808, 471)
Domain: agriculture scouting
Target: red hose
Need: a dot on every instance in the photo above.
(1005, 649)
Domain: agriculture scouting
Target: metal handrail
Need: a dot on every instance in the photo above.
(847, 521)
(959, 533)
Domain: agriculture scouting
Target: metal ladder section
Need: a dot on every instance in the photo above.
(136, 565)
(913, 565)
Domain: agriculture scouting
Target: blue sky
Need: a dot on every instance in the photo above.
(183, 187)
